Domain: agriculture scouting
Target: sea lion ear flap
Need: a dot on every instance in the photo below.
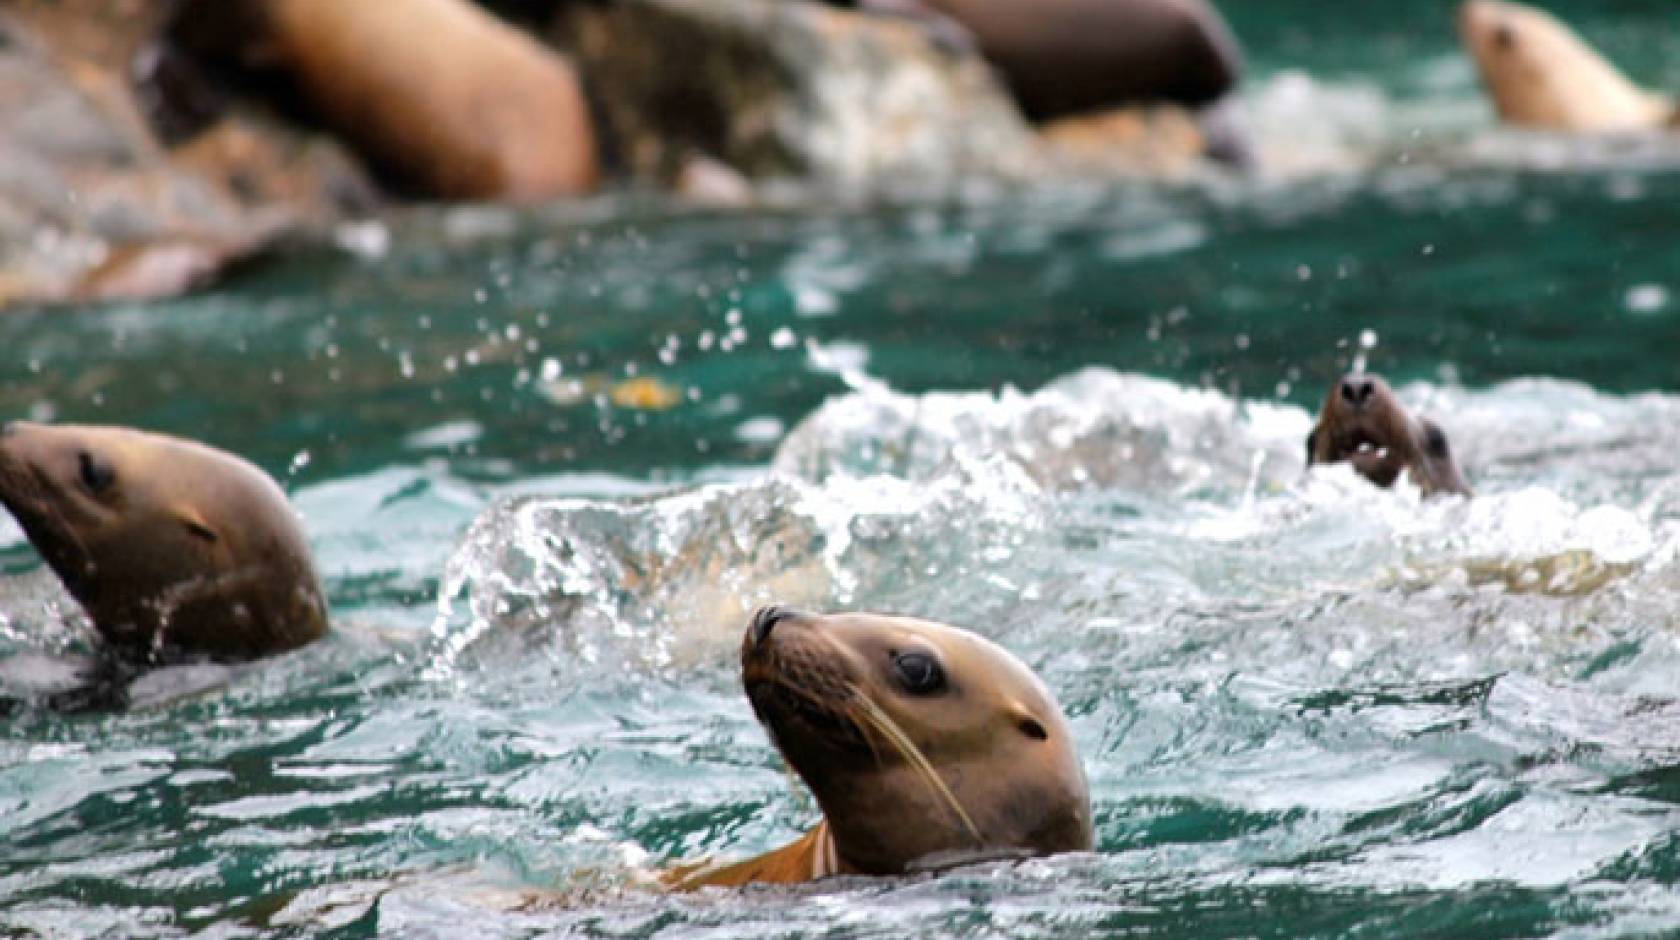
(1437, 455)
(1027, 724)
(194, 523)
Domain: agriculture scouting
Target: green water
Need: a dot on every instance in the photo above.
(1306, 707)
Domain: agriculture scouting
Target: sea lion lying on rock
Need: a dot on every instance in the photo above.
(1542, 75)
(1062, 58)
(170, 546)
(1363, 423)
(925, 745)
(439, 92)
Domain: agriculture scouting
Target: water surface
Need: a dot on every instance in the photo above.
(1070, 418)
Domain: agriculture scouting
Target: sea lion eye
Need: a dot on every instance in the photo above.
(1032, 729)
(919, 673)
(97, 477)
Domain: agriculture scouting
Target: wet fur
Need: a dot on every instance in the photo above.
(1541, 74)
(1375, 433)
(981, 769)
(187, 551)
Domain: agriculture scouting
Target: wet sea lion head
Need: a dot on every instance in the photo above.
(166, 543)
(922, 743)
(1363, 423)
(1541, 74)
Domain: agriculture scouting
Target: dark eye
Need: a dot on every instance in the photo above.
(919, 673)
(1032, 729)
(97, 477)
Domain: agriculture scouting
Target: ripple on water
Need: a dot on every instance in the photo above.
(1291, 689)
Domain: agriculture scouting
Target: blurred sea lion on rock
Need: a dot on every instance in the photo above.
(1362, 422)
(1069, 58)
(1541, 75)
(925, 745)
(439, 93)
(171, 546)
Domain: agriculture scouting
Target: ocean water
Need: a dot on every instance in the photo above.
(550, 460)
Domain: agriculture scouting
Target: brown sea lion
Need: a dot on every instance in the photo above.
(169, 545)
(924, 744)
(441, 92)
(1065, 57)
(1542, 75)
(1363, 423)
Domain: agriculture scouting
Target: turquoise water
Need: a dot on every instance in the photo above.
(1070, 418)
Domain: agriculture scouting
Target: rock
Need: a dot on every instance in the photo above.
(441, 94)
(789, 88)
(707, 182)
(93, 205)
(1164, 140)
(777, 88)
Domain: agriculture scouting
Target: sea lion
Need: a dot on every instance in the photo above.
(924, 744)
(1362, 422)
(440, 92)
(1542, 75)
(169, 545)
(1064, 57)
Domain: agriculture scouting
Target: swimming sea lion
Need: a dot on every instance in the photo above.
(1542, 75)
(1063, 57)
(166, 543)
(1362, 422)
(924, 745)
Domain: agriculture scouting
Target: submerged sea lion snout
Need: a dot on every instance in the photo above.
(1356, 390)
(1363, 423)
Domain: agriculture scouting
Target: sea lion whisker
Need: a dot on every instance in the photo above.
(865, 730)
(883, 722)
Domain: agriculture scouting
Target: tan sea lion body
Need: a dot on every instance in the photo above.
(1363, 423)
(1540, 74)
(166, 543)
(923, 744)
(451, 98)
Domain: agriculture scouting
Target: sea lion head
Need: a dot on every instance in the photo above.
(1363, 423)
(1540, 74)
(165, 542)
(923, 743)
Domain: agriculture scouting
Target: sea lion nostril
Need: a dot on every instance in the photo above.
(1355, 391)
(765, 620)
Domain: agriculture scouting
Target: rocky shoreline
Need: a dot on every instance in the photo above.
(152, 144)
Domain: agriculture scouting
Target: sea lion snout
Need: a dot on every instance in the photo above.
(764, 620)
(1356, 389)
(164, 542)
(1362, 422)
